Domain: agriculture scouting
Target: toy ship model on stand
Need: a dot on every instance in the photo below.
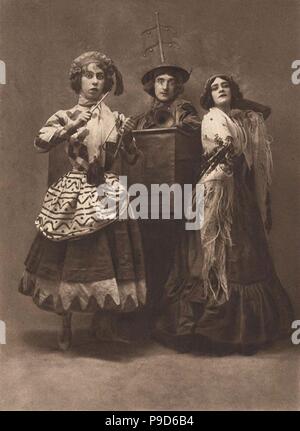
(169, 154)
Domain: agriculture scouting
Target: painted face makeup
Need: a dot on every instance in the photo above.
(92, 82)
(221, 93)
(165, 87)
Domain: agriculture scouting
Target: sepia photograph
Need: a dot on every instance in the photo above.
(150, 207)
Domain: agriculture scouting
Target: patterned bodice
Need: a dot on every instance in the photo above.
(82, 145)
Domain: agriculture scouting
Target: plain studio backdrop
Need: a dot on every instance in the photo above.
(256, 41)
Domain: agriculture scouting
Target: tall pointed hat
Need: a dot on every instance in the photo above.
(163, 67)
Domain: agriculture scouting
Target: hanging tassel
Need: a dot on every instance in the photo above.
(119, 81)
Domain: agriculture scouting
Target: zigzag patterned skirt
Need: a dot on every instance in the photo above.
(83, 258)
(73, 208)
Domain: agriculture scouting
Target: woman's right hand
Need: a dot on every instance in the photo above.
(81, 120)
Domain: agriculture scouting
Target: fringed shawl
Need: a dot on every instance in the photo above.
(258, 154)
(247, 134)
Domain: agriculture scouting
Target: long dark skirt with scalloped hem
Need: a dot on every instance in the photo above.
(257, 310)
(103, 271)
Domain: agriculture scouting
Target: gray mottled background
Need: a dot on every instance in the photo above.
(255, 40)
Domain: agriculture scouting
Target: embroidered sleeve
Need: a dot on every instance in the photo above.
(56, 130)
(218, 147)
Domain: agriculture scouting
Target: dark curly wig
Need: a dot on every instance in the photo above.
(206, 100)
(80, 64)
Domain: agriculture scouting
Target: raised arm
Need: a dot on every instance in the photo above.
(246, 104)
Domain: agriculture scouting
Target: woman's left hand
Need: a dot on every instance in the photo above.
(126, 132)
(128, 126)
